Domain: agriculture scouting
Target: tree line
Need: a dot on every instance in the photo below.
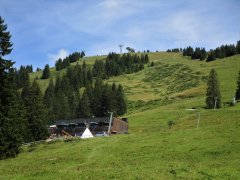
(117, 64)
(63, 63)
(21, 75)
(197, 53)
(224, 51)
(64, 101)
(200, 53)
(114, 65)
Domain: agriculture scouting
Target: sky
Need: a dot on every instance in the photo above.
(45, 30)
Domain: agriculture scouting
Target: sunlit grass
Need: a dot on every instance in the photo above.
(151, 150)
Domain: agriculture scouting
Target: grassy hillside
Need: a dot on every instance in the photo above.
(151, 150)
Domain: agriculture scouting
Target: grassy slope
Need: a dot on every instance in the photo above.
(151, 150)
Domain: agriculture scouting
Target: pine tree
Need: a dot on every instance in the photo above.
(238, 88)
(84, 73)
(73, 100)
(36, 114)
(106, 99)
(121, 104)
(211, 56)
(213, 91)
(203, 54)
(59, 64)
(11, 110)
(113, 98)
(89, 76)
(46, 72)
(97, 98)
(146, 58)
(84, 105)
(238, 47)
(48, 100)
(82, 54)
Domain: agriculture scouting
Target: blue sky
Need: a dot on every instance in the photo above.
(44, 30)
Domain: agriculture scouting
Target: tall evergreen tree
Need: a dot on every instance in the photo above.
(238, 47)
(113, 99)
(211, 56)
(73, 100)
(59, 64)
(46, 72)
(48, 100)
(36, 114)
(10, 115)
(84, 105)
(238, 87)
(203, 54)
(82, 54)
(146, 58)
(213, 91)
(121, 103)
(97, 98)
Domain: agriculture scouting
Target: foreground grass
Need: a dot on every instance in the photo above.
(151, 150)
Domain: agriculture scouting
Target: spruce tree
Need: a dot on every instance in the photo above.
(213, 91)
(146, 58)
(121, 104)
(73, 100)
(48, 100)
(36, 114)
(211, 56)
(238, 88)
(84, 106)
(10, 107)
(46, 72)
(238, 47)
(113, 104)
(97, 98)
(59, 64)
(84, 73)
(82, 54)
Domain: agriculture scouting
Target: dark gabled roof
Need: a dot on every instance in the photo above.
(82, 120)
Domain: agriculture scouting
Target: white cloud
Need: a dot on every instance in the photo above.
(62, 53)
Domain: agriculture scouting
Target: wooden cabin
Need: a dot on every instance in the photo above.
(97, 126)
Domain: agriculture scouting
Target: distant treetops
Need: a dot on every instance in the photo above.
(218, 53)
(63, 63)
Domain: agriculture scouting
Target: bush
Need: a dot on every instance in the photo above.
(170, 124)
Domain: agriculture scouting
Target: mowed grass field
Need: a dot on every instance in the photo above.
(151, 150)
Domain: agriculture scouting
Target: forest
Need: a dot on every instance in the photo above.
(213, 54)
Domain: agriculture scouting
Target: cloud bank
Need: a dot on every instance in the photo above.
(62, 53)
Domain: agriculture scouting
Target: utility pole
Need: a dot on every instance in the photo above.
(215, 104)
(199, 116)
(234, 100)
(110, 123)
(120, 46)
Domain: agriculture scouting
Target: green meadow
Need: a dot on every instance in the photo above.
(151, 150)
